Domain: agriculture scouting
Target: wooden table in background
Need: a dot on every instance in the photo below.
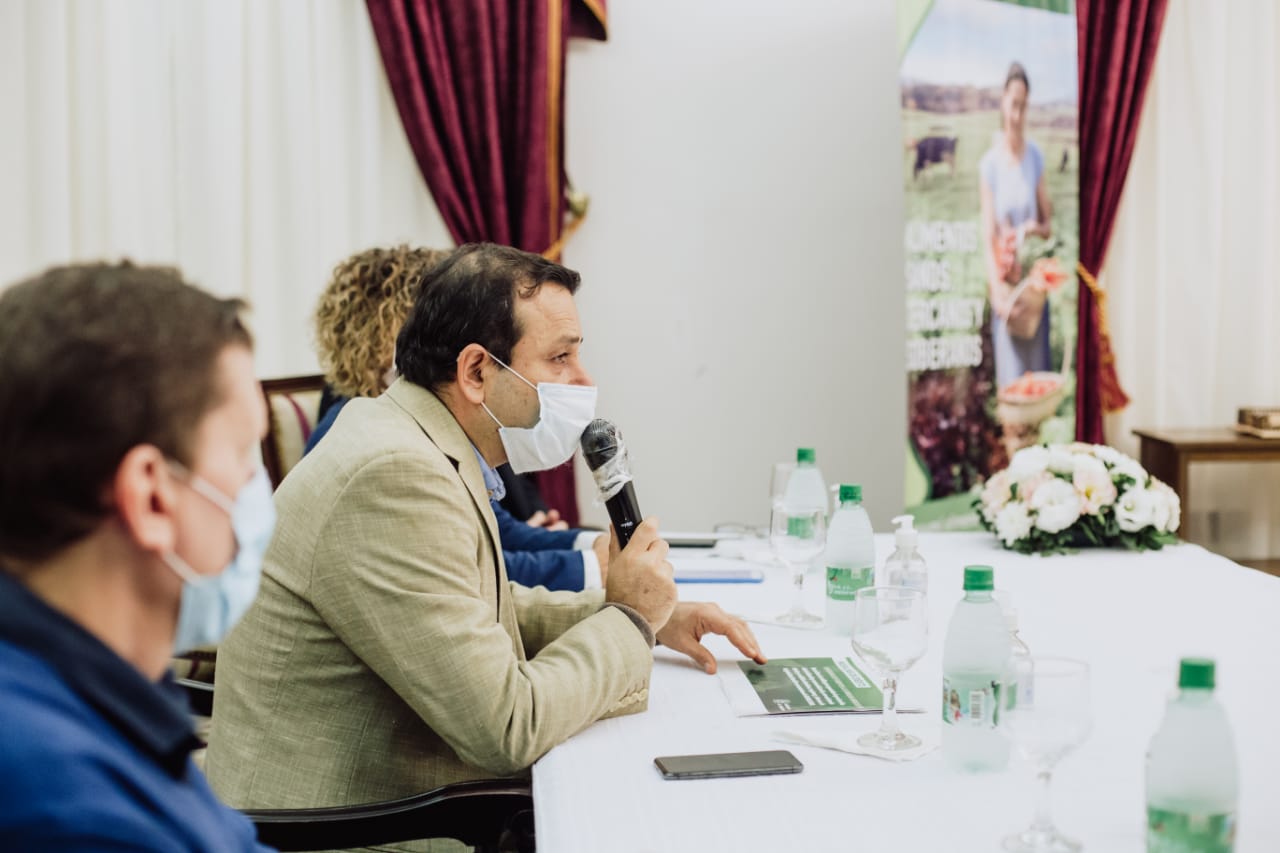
(1166, 453)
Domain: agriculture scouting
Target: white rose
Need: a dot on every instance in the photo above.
(1159, 510)
(1136, 509)
(1109, 455)
(1057, 506)
(1027, 488)
(1061, 460)
(1170, 515)
(1013, 522)
(1028, 462)
(1086, 465)
(1130, 468)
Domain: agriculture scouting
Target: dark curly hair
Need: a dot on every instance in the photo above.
(361, 311)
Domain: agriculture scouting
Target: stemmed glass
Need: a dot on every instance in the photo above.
(890, 633)
(778, 481)
(797, 535)
(1050, 718)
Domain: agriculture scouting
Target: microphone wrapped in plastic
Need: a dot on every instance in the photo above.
(606, 456)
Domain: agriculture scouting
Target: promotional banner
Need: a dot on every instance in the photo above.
(989, 108)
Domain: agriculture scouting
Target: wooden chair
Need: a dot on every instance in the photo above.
(293, 408)
(490, 815)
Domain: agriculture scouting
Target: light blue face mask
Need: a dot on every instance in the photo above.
(213, 604)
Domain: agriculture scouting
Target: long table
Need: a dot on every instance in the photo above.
(1130, 615)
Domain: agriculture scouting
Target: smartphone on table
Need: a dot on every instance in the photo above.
(717, 765)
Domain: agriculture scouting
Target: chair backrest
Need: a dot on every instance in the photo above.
(487, 814)
(293, 407)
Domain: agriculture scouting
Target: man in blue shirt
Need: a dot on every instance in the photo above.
(130, 422)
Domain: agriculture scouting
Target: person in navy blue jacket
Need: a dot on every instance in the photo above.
(130, 432)
(357, 319)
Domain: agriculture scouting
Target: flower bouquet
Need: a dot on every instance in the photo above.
(1055, 498)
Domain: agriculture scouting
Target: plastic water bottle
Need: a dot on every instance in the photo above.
(976, 663)
(1192, 784)
(805, 487)
(850, 559)
(905, 566)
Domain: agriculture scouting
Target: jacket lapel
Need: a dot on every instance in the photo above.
(444, 431)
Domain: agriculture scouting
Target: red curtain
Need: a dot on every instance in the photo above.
(480, 90)
(1117, 42)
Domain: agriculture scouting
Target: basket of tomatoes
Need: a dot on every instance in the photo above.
(1031, 398)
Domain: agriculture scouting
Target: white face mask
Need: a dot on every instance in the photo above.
(213, 604)
(564, 412)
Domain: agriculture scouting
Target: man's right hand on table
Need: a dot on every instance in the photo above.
(640, 576)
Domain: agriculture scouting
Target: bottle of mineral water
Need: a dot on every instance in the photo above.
(850, 559)
(1191, 770)
(976, 663)
(905, 567)
(805, 487)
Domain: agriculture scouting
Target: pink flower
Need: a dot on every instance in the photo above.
(995, 494)
(1093, 482)
(1027, 488)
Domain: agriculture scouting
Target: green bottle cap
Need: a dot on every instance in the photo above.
(805, 456)
(979, 578)
(1196, 674)
(850, 492)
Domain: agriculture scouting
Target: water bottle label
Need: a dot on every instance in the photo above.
(1183, 832)
(843, 584)
(800, 527)
(971, 700)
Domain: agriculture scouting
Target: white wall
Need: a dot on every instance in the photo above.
(252, 144)
(742, 259)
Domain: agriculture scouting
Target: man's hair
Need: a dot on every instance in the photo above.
(470, 298)
(361, 312)
(94, 361)
(1017, 74)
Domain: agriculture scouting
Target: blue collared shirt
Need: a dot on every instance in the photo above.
(93, 756)
(492, 480)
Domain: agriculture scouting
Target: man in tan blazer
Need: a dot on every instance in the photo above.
(386, 653)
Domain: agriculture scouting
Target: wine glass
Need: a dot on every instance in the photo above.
(1047, 720)
(797, 535)
(778, 481)
(890, 633)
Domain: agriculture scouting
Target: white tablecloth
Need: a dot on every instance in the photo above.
(1130, 615)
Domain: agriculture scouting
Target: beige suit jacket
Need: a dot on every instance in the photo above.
(386, 653)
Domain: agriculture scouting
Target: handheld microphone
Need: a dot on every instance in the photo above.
(606, 456)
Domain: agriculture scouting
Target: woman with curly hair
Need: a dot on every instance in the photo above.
(356, 323)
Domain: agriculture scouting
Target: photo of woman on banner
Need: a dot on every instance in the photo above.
(1015, 206)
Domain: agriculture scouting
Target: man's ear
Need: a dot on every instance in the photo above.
(144, 495)
(473, 363)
